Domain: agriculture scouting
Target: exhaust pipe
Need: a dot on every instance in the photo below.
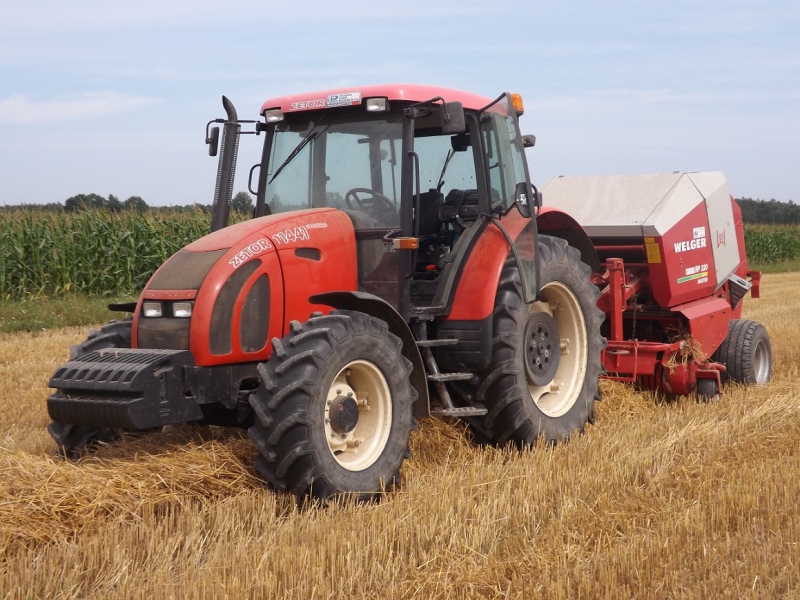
(223, 194)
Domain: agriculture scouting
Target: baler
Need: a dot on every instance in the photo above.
(672, 269)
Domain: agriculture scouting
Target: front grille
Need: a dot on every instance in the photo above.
(169, 333)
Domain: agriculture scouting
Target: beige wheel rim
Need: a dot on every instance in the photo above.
(358, 448)
(560, 395)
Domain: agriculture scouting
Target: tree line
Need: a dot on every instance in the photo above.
(242, 203)
(753, 211)
(770, 212)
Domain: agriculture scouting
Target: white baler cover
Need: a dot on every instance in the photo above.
(650, 205)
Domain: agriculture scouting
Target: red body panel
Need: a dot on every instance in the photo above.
(474, 298)
(708, 320)
(335, 270)
(686, 270)
(169, 294)
(395, 91)
(326, 261)
(207, 296)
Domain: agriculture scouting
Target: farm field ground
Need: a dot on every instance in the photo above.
(658, 499)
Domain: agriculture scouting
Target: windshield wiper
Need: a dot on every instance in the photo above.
(303, 143)
(439, 185)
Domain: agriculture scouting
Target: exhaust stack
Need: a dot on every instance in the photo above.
(226, 170)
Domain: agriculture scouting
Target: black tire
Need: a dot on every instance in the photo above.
(321, 365)
(114, 334)
(746, 353)
(707, 390)
(508, 387)
(74, 440)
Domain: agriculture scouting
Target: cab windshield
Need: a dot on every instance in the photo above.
(334, 159)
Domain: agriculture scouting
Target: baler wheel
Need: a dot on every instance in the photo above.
(528, 397)
(707, 390)
(74, 440)
(333, 409)
(746, 353)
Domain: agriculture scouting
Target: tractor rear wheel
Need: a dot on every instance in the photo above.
(542, 380)
(74, 440)
(333, 408)
(746, 353)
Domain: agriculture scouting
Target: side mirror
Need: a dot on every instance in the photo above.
(521, 199)
(453, 118)
(523, 202)
(528, 141)
(213, 141)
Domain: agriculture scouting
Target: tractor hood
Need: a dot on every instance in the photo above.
(232, 235)
(225, 295)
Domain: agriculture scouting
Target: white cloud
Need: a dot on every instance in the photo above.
(19, 109)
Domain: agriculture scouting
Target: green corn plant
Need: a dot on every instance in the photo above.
(92, 251)
(770, 244)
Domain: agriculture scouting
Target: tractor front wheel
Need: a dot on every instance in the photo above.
(543, 377)
(74, 440)
(333, 409)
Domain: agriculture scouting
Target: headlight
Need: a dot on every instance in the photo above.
(151, 309)
(182, 309)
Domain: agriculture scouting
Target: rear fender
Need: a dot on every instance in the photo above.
(477, 286)
(380, 309)
(474, 299)
(556, 223)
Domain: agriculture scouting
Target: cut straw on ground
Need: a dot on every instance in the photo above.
(659, 499)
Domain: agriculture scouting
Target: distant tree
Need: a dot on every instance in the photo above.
(772, 211)
(113, 204)
(135, 203)
(50, 207)
(242, 203)
(84, 201)
(335, 200)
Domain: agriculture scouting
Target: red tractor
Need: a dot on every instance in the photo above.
(393, 270)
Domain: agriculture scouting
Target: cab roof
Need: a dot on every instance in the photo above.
(355, 95)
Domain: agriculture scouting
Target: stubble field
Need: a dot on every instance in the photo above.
(662, 500)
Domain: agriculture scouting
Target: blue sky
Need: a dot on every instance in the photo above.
(113, 98)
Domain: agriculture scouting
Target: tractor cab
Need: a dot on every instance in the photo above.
(419, 171)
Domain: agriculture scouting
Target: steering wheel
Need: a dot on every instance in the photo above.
(377, 203)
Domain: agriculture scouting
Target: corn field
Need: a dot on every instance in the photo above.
(92, 252)
(769, 244)
(44, 253)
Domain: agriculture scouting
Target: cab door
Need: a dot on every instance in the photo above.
(506, 169)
